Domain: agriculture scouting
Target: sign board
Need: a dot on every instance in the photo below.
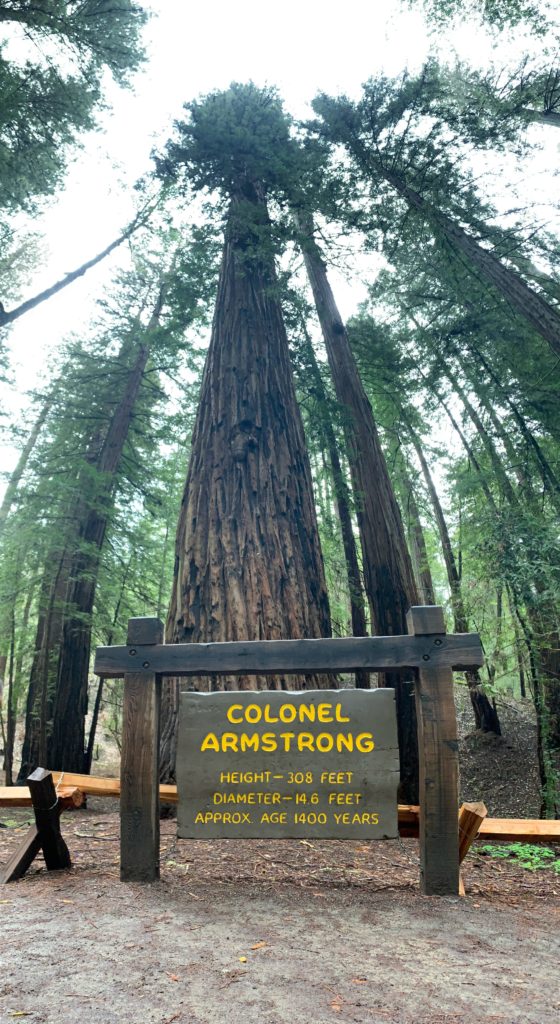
(285, 765)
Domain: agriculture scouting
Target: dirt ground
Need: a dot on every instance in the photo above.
(282, 932)
(272, 933)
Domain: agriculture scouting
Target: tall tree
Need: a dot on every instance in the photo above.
(386, 136)
(388, 576)
(248, 560)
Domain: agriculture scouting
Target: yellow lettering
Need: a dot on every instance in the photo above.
(230, 741)
(230, 711)
(305, 741)
(269, 743)
(288, 713)
(364, 743)
(324, 742)
(339, 717)
(287, 737)
(324, 712)
(210, 742)
(253, 713)
(249, 742)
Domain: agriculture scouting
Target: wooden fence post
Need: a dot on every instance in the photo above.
(438, 754)
(140, 758)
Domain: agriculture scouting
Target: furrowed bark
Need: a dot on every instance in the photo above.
(248, 560)
(388, 576)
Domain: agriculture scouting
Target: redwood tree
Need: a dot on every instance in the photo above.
(248, 559)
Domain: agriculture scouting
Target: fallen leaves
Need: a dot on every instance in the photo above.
(258, 945)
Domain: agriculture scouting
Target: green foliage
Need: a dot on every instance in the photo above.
(533, 16)
(232, 140)
(52, 62)
(528, 855)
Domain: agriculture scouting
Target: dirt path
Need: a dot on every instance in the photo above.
(274, 933)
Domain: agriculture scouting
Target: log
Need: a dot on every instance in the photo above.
(19, 796)
(93, 785)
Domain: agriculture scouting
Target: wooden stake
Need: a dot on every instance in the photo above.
(140, 758)
(438, 755)
(471, 817)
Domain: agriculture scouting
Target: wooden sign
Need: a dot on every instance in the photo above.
(278, 764)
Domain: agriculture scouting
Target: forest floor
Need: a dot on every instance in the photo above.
(271, 932)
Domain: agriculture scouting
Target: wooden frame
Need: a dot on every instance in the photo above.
(427, 649)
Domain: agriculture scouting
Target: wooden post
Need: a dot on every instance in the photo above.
(47, 818)
(438, 754)
(140, 757)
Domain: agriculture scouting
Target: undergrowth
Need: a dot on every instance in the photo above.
(528, 855)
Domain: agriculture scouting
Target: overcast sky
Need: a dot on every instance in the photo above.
(302, 46)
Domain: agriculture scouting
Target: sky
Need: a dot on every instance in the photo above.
(301, 46)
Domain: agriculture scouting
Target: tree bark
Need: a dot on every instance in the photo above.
(486, 717)
(248, 561)
(388, 575)
(342, 498)
(67, 741)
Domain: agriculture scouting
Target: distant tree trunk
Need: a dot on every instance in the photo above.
(42, 676)
(21, 466)
(388, 575)
(342, 498)
(248, 560)
(531, 305)
(67, 742)
(486, 717)
(418, 544)
(99, 692)
(550, 480)
(11, 708)
(496, 462)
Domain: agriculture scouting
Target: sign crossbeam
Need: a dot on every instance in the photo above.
(270, 657)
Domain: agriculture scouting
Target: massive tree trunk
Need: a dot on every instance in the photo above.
(248, 560)
(342, 498)
(486, 716)
(67, 742)
(533, 307)
(388, 575)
